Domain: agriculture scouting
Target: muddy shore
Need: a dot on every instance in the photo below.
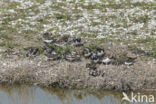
(37, 71)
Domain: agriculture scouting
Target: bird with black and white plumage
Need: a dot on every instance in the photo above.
(65, 40)
(47, 48)
(106, 60)
(31, 51)
(86, 52)
(130, 61)
(48, 38)
(95, 58)
(100, 52)
(50, 52)
(125, 60)
(113, 59)
(77, 41)
(52, 56)
(94, 73)
(91, 66)
(72, 56)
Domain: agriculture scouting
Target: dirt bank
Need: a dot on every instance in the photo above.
(37, 71)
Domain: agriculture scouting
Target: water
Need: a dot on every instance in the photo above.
(35, 95)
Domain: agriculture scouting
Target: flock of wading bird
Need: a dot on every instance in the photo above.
(72, 49)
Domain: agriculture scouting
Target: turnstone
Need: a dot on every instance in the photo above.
(113, 59)
(48, 38)
(72, 56)
(32, 51)
(10, 52)
(86, 52)
(125, 60)
(106, 61)
(47, 49)
(77, 41)
(94, 73)
(52, 56)
(65, 38)
(141, 52)
(94, 58)
(91, 66)
(112, 56)
(129, 61)
(99, 51)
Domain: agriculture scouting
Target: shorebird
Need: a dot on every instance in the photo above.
(86, 52)
(65, 38)
(94, 73)
(141, 52)
(52, 56)
(31, 51)
(72, 56)
(48, 38)
(94, 58)
(47, 49)
(125, 60)
(77, 41)
(99, 51)
(91, 66)
(106, 61)
(129, 61)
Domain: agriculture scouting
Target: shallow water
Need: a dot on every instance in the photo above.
(36, 95)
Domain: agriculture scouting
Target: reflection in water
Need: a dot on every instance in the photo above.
(35, 95)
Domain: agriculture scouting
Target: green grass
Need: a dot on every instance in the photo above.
(135, 32)
(52, 29)
(58, 49)
(153, 52)
(122, 55)
(41, 51)
(6, 37)
(141, 19)
(13, 5)
(64, 17)
(92, 47)
(68, 48)
(8, 44)
(132, 47)
(2, 44)
(61, 14)
(101, 41)
(147, 40)
(28, 37)
(1, 52)
(91, 35)
(38, 39)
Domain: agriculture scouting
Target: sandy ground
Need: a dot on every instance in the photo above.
(37, 71)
